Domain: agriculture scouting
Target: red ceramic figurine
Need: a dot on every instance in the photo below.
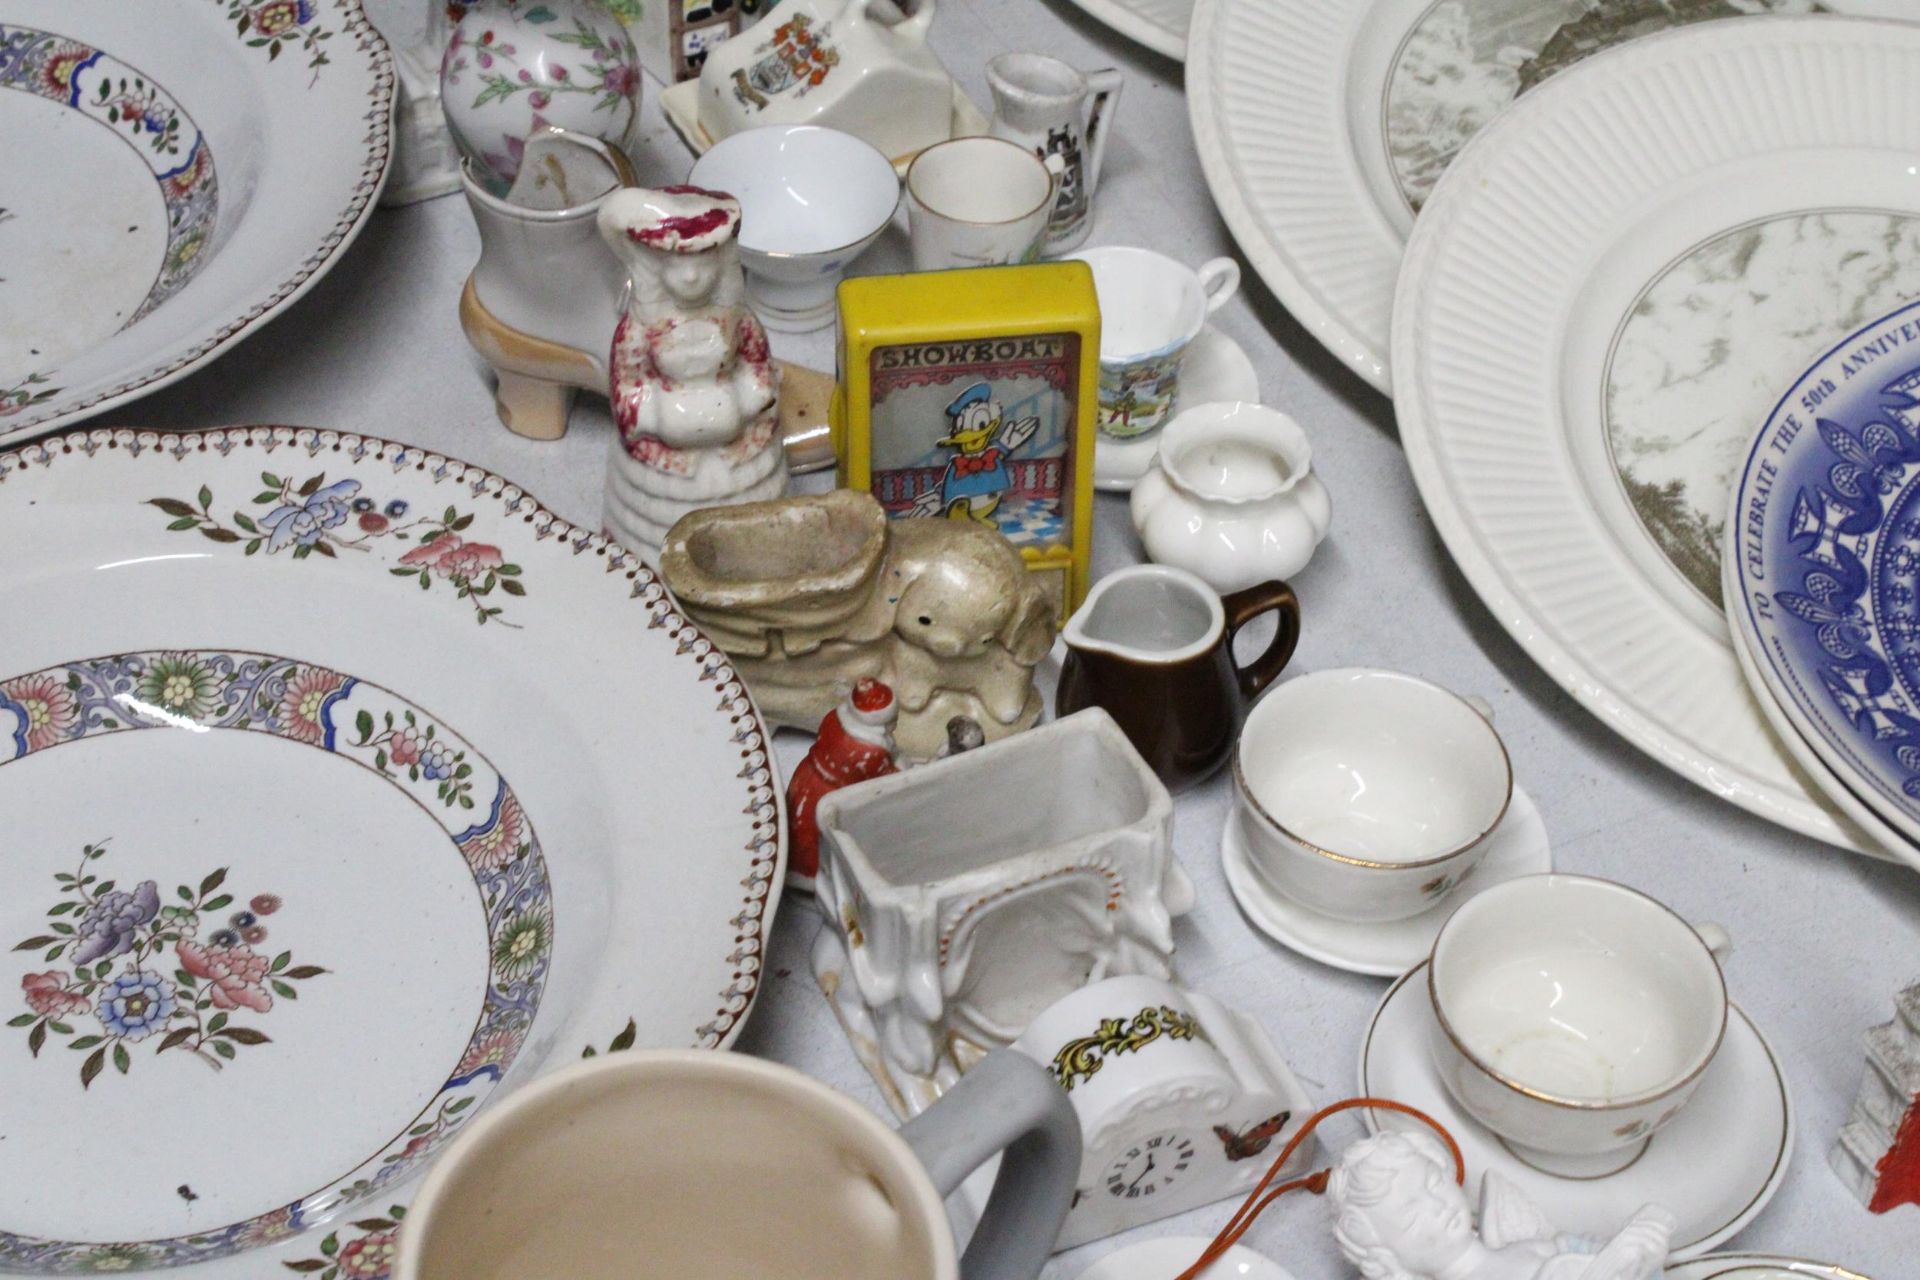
(855, 743)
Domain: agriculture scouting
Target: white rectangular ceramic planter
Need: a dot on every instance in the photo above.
(972, 893)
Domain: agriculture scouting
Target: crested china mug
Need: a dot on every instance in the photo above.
(1368, 795)
(1153, 646)
(1574, 1016)
(690, 1163)
(979, 202)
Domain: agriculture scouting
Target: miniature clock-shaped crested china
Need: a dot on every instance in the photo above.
(1182, 1101)
(835, 63)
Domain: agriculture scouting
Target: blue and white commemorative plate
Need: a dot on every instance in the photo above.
(1825, 581)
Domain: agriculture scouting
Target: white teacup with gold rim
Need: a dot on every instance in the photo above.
(1368, 795)
(1574, 1016)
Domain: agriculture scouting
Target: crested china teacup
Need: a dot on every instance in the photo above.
(1574, 1016)
(1368, 795)
(1151, 310)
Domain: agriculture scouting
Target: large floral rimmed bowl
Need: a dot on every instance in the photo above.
(177, 174)
(344, 785)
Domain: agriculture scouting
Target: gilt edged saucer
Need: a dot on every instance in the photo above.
(177, 175)
(1388, 948)
(1216, 368)
(1714, 1166)
(1758, 1266)
(345, 786)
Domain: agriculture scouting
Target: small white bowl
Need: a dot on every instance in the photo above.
(811, 201)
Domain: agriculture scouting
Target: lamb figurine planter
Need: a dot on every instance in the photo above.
(692, 380)
(812, 593)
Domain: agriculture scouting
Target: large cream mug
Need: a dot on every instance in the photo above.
(1574, 1016)
(684, 1163)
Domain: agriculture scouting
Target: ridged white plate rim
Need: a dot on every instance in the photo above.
(1304, 72)
(1702, 753)
(1135, 20)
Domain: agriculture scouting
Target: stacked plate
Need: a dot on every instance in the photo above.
(1822, 575)
(1604, 295)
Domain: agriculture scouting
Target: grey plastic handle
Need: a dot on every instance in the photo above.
(1006, 1102)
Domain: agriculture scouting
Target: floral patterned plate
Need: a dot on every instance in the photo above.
(344, 786)
(177, 174)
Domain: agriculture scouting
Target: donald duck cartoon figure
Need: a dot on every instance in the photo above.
(977, 475)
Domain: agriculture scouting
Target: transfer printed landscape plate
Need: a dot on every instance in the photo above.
(1825, 579)
(1324, 124)
(177, 174)
(344, 786)
(1583, 351)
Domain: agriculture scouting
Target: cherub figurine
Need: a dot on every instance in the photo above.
(692, 379)
(1399, 1215)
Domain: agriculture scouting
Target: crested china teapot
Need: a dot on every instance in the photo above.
(834, 63)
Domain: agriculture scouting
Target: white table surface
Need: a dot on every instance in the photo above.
(1823, 938)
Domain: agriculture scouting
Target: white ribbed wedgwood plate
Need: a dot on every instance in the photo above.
(177, 174)
(1324, 124)
(1161, 25)
(1584, 350)
(344, 786)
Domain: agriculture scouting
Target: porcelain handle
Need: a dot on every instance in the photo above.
(899, 21)
(1006, 1102)
(1243, 607)
(1102, 107)
(1219, 280)
(1718, 940)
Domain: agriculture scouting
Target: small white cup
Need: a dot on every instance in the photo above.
(979, 202)
(811, 201)
(1151, 308)
(1574, 1016)
(1368, 795)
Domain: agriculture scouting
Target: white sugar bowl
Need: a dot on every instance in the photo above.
(1232, 497)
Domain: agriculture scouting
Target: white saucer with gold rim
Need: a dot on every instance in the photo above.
(1758, 1266)
(1170, 1255)
(1715, 1166)
(1384, 949)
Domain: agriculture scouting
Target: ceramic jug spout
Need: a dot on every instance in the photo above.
(1154, 614)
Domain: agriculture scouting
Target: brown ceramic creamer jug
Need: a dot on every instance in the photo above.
(1153, 646)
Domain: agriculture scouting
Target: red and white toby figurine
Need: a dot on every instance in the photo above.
(855, 743)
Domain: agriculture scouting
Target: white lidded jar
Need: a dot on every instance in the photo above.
(1232, 496)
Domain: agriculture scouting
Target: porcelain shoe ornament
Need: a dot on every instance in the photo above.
(1399, 1215)
(514, 67)
(1232, 497)
(969, 895)
(1051, 109)
(692, 380)
(853, 744)
(836, 63)
(810, 593)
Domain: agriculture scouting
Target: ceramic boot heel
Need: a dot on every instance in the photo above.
(532, 407)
